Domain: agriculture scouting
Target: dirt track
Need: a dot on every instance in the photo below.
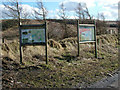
(109, 82)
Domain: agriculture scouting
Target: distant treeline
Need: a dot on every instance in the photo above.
(14, 22)
(100, 25)
(9, 23)
(73, 21)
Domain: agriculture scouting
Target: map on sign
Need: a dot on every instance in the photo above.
(86, 33)
(32, 35)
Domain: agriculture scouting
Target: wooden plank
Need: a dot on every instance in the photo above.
(30, 44)
(33, 25)
(87, 42)
(86, 25)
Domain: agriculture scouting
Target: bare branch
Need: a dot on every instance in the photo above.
(87, 12)
(13, 7)
(82, 13)
(62, 13)
(41, 12)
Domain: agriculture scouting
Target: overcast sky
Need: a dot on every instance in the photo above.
(108, 7)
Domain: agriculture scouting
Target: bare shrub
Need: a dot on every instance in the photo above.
(56, 31)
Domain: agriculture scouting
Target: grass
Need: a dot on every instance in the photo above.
(64, 69)
(62, 74)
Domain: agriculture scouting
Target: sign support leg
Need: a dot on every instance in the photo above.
(20, 48)
(95, 49)
(78, 38)
(46, 42)
(46, 54)
(95, 40)
(20, 55)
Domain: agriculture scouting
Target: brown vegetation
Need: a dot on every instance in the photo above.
(64, 68)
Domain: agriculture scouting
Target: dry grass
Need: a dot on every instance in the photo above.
(64, 68)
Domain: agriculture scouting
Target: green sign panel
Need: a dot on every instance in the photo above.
(32, 36)
(86, 33)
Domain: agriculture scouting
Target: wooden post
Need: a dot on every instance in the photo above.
(3, 40)
(20, 48)
(78, 37)
(46, 42)
(19, 34)
(95, 39)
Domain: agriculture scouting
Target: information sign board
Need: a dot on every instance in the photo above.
(86, 33)
(32, 36)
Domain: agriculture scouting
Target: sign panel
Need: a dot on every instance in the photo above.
(86, 33)
(33, 35)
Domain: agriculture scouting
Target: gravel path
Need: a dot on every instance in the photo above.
(109, 82)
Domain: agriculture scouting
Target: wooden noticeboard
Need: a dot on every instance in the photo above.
(33, 35)
(86, 33)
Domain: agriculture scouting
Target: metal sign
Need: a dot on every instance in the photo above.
(33, 35)
(86, 33)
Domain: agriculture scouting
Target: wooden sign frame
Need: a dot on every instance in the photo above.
(93, 41)
(36, 43)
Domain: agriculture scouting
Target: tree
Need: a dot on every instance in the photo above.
(87, 12)
(102, 17)
(14, 9)
(63, 12)
(98, 16)
(79, 11)
(63, 15)
(41, 12)
(101, 24)
(82, 12)
(25, 16)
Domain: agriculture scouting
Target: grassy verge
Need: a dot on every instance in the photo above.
(64, 69)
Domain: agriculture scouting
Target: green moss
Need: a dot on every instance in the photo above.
(28, 63)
